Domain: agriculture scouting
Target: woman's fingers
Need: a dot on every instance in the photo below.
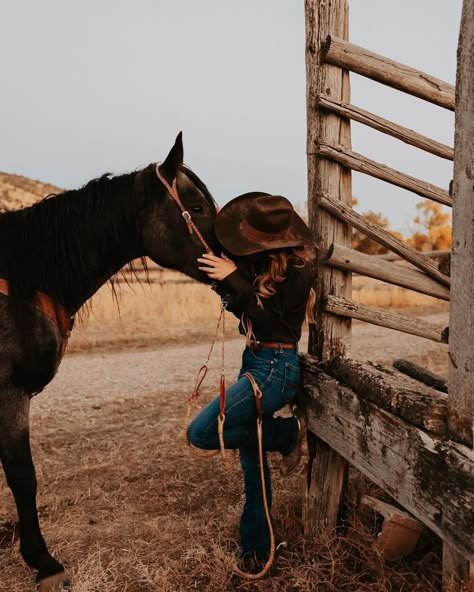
(216, 267)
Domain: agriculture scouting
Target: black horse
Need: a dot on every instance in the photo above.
(54, 256)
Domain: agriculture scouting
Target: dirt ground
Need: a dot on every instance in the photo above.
(126, 507)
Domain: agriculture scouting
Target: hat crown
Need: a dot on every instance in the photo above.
(271, 214)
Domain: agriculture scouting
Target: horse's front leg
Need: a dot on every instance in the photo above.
(15, 454)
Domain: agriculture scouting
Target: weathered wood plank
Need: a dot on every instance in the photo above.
(423, 374)
(461, 349)
(432, 478)
(327, 475)
(374, 231)
(370, 266)
(417, 404)
(372, 65)
(438, 254)
(362, 164)
(330, 335)
(386, 318)
(387, 127)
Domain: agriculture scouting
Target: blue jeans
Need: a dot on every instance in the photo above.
(276, 371)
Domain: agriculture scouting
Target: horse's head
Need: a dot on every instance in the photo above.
(166, 234)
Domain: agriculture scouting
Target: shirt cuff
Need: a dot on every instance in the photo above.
(236, 282)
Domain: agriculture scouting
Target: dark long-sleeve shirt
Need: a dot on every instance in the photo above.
(278, 318)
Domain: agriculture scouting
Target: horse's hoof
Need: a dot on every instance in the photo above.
(54, 583)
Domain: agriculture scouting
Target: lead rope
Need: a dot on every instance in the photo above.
(258, 403)
(201, 375)
(220, 427)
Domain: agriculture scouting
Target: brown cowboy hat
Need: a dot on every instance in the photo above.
(257, 221)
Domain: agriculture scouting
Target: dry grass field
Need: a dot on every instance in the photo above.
(143, 314)
(126, 507)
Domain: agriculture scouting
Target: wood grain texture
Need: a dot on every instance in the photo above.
(431, 478)
(386, 318)
(417, 404)
(340, 52)
(461, 351)
(370, 266)
(422, 374)
(330, 335)
(387, 127)
(383, 237)
(362, 164)
(456, 567)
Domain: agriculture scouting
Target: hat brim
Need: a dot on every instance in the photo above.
(232, 236)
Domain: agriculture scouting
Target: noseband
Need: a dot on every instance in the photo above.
(192, 228)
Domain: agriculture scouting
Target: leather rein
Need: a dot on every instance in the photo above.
(192, 228)
(173, 191)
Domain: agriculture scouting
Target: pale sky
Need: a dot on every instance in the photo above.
(104, 86)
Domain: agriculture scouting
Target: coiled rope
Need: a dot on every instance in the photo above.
(201, 375)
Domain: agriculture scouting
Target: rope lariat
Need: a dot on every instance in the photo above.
(201, 375)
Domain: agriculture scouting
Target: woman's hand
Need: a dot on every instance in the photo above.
(217, 268)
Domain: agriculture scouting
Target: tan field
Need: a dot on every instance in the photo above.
(140, 315)
(125, 505)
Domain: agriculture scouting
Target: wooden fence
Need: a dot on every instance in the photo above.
(411, 439)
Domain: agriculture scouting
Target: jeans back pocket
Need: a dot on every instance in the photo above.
(292, 380)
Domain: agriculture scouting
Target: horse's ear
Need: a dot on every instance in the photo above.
(169, 168)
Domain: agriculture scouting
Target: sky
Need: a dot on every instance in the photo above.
(104, 86)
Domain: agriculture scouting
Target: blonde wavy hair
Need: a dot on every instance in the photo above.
(275, 273)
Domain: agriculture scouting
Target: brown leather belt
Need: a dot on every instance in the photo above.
(275, 344)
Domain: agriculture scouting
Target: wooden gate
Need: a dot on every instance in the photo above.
(408, 437)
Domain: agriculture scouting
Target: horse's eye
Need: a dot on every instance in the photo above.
(196, 209)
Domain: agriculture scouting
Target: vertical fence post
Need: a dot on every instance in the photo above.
(331, 335)
(461, 333)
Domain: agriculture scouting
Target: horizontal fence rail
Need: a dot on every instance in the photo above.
(385, 318)
(370, 266)
(383, 237)
(387, 127)
(358, 162)
(427, 475)
(431, 254)
(381, 69)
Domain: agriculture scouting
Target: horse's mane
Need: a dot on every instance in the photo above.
(45, 246)
(50, 246)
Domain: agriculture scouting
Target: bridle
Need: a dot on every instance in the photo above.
(173, 191)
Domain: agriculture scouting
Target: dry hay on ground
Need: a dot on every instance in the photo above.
(128, 509)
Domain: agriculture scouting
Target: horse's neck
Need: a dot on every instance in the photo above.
(103, 264)
(101, 272)
(79, 239)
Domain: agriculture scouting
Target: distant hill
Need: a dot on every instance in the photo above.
(17, 191)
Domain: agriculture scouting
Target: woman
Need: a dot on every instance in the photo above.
(267, 286)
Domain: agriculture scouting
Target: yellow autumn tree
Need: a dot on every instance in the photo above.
(360, 242)
(435, 231)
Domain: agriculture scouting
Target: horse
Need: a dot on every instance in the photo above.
(54, 255)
